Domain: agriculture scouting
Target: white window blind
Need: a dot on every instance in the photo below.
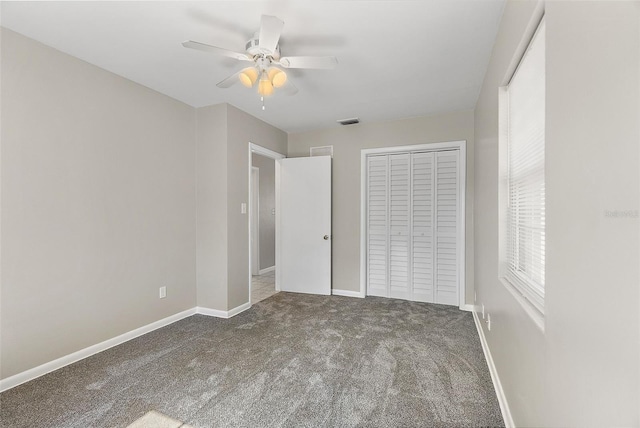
(525, 244)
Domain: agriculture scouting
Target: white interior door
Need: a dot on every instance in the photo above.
(304, 225)
(255, 220)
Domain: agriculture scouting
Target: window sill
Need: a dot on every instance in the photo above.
(536, 316)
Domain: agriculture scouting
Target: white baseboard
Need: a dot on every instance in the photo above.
(56, 364)
(467, 307)
(266, 270)
(347, 293)
(212, 312)
(235, 311)
(502, 398)
(223, 314)
(26, 376)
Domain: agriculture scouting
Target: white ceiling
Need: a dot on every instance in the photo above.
(396, 59)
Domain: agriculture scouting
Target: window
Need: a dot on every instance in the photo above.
(522, 105)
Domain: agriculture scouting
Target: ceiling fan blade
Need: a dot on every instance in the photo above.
(321, 62)
(270, 30)
(229, 81)
(289, 88)
(214, 49)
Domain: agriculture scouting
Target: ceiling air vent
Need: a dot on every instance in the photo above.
(351, 121)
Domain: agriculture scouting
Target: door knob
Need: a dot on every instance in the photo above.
(326, 237)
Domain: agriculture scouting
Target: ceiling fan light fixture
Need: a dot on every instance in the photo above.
(265, 87)
(263, 50)
(277, 77)
(248, 76)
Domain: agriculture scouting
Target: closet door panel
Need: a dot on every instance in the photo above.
(422, 192)
(399, 217)
(377, 226)
(446, 228)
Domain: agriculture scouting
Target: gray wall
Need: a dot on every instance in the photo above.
(223, 136)
(211, 219)
(98, 202)
(347, 143)
(267, 168)
(243, 129)
(583, 370)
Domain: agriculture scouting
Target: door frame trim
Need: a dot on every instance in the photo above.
(254, 212)
(460, 145)
(263, 151)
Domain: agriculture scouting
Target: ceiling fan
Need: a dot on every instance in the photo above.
(263, 50)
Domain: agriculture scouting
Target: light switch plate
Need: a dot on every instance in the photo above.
(243, 208)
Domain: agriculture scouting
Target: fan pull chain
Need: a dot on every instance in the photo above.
(262, 99)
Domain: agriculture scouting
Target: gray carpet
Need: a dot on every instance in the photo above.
(291, 361)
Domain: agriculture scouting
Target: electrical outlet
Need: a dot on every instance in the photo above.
(489, 322)
(163, 292)
(475, 296)
(243, 208)
(483, 311)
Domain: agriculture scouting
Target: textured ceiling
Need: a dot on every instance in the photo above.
(396, 58)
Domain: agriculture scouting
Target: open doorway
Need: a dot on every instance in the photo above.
(262, 226)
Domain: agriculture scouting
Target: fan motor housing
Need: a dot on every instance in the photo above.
(253, 48)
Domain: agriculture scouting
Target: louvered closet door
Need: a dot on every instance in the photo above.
(446, 227)
(422, 190)
(399, 204)
(413, 214)
(377, 226)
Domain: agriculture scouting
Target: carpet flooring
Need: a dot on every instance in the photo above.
(292, 360)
